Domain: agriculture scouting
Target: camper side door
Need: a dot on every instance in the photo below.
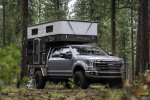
(36, 51)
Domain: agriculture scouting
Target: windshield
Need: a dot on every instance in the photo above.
(88, 50)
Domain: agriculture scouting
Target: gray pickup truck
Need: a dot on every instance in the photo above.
(84, 63)
(57, 51)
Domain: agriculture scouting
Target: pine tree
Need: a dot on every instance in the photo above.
(113, 26)
(142, 50)
(24, 37)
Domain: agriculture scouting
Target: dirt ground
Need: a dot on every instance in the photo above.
(58, 92)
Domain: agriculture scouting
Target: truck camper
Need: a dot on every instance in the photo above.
(62, 49)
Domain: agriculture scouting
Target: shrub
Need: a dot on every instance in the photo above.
(9, 64)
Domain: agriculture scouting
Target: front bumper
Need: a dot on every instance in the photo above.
(103, 74)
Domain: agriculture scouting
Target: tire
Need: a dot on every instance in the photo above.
(80, 80)
(40, 81)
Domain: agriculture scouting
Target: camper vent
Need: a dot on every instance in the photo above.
(49, 28)
(34, 31)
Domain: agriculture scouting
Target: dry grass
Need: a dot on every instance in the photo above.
(57, 92)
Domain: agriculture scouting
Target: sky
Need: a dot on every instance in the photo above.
(71, 6)
(71, 3)
(1, 6)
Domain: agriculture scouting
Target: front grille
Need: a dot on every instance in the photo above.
(107, 66)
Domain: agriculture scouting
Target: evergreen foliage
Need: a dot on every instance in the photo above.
(9, 64)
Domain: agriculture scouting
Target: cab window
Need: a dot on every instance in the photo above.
(65, 50)
(56, 52)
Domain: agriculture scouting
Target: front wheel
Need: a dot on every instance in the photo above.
(40, 81)
(80, 80)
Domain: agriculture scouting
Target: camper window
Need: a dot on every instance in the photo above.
(34, 31)
(49, 28)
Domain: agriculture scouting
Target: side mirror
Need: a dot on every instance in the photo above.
(69, 55)
(110, 54)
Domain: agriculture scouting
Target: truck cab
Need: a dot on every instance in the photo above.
(60, 50)
(86, 60)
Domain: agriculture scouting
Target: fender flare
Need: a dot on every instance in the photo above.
(80, 64)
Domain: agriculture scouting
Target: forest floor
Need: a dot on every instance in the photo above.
(57, 92)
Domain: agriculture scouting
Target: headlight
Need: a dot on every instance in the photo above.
(90, 63)
(122, 61)
(123, 66)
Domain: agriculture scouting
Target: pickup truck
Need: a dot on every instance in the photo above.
(84, 63)
(61, 49)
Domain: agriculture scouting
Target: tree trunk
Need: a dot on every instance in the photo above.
(113, 26)
(132, 42)
(149, 34)
(39, 11)
(142, 51)
(138, 51)
(145, 35)
(91, 10)
(58, 9)
(4, 40)
(24, 37)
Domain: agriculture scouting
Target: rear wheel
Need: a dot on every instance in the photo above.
(80, 80)
(40, 81)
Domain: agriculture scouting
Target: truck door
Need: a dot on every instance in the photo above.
(58, 65)
(36, 51)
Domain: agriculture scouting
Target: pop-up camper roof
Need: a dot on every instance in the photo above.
(64, 30)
